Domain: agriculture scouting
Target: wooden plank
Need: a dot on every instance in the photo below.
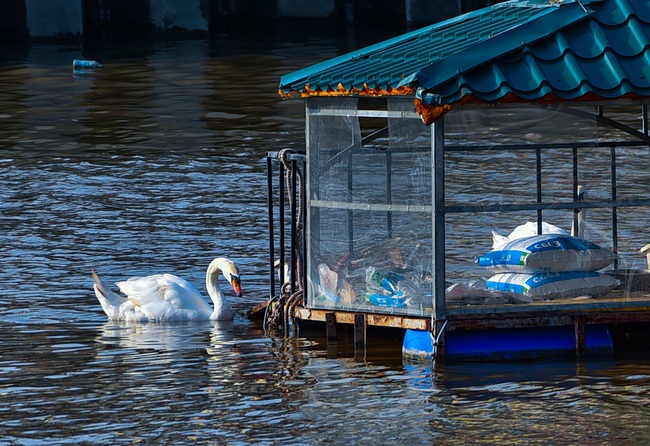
(520, 322)
(330, 326)
(374, 319)
(359, 330)
(616, 308)
(478, 321)
(627, 303)
(258, 311)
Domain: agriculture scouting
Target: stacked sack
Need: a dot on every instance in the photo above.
(550, 266)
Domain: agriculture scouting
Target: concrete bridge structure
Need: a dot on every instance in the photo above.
(29, 20)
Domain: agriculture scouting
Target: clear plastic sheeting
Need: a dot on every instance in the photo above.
(369, 208)
(370, 212)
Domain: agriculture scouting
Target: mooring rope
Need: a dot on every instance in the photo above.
(435, 340)
(285, 308)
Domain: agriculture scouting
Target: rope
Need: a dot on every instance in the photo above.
(296, 298)
(435, 340)
(271, 319)
(285, 308)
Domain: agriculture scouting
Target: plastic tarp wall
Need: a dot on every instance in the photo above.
(369, 205)
(369, 208)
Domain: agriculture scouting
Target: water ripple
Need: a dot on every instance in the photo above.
(156, 163)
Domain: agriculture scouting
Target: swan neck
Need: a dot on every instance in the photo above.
(222, 308)
(578, 225)
(212, 285)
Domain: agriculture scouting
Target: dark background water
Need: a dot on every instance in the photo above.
(156, 163)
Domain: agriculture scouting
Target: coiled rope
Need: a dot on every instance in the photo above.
(284, 310)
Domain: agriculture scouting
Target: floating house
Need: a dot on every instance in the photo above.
(480, 186)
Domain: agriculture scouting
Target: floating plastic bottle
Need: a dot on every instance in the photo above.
(82, 64)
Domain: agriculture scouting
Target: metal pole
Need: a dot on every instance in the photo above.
(614, 209)
(438, 217)
(281, 224)
(574, 174)
(269, 185)
(294, 223)
(389, 192)
(350, 212)
(538, 168)
(305, 229)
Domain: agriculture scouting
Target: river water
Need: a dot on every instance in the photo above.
(156, 163)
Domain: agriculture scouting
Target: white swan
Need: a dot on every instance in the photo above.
(530, 228)
(165, 297)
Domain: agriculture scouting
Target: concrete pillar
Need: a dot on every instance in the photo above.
(53, 18)
(302, 8)
(421, 13)
(126, 18)
(97, 20)
(189, 15)
(13, 21)
(377, 14)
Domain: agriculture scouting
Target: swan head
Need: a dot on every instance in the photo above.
(229, 271)
(235, 283)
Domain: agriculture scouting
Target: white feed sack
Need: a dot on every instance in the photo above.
(550, 266)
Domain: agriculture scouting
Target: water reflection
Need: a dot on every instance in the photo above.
(162, 336)
(226, 382)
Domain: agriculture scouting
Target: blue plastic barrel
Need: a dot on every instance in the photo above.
(508, 343)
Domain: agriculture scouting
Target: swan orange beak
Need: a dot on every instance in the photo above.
(236, 286)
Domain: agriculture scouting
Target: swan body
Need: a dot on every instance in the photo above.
(165, 297)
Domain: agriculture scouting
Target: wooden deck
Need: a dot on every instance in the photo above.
(616, 307)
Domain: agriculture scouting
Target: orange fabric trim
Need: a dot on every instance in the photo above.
(430, 114)
(342, 91)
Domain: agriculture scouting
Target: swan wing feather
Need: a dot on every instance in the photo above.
(165, 296)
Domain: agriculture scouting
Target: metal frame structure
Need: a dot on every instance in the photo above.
(614, 310)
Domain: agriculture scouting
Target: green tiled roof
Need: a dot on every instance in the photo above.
(551, 50)
(603, 54)
(386, 65)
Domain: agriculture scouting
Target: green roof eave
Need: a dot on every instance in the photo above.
(332, 72)
(296, 76)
